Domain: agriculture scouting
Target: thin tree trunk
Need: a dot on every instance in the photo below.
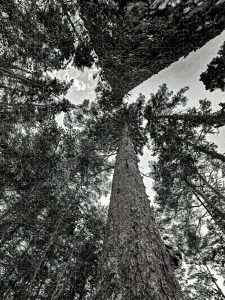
(134, 264)
(215, 212)
(216, 118)
(220, 196)
(202, 148)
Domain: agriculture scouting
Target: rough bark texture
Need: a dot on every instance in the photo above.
(135, 264)
(147, 36)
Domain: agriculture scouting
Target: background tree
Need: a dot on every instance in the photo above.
(51, 226)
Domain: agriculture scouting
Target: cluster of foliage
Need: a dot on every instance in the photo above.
(213, 77)
(51, 178)
(51, 224)
(37, 38)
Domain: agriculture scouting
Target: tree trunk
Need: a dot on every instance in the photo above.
(216, 212)
(134, 264)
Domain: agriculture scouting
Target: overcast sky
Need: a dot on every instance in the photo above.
(185, 72)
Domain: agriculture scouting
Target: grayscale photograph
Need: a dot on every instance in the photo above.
(112, 149)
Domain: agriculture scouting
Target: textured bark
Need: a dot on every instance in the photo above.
(134, 264)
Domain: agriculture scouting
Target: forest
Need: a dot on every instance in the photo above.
(57, 241)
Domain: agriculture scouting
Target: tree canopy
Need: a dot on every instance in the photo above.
(134, 40)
